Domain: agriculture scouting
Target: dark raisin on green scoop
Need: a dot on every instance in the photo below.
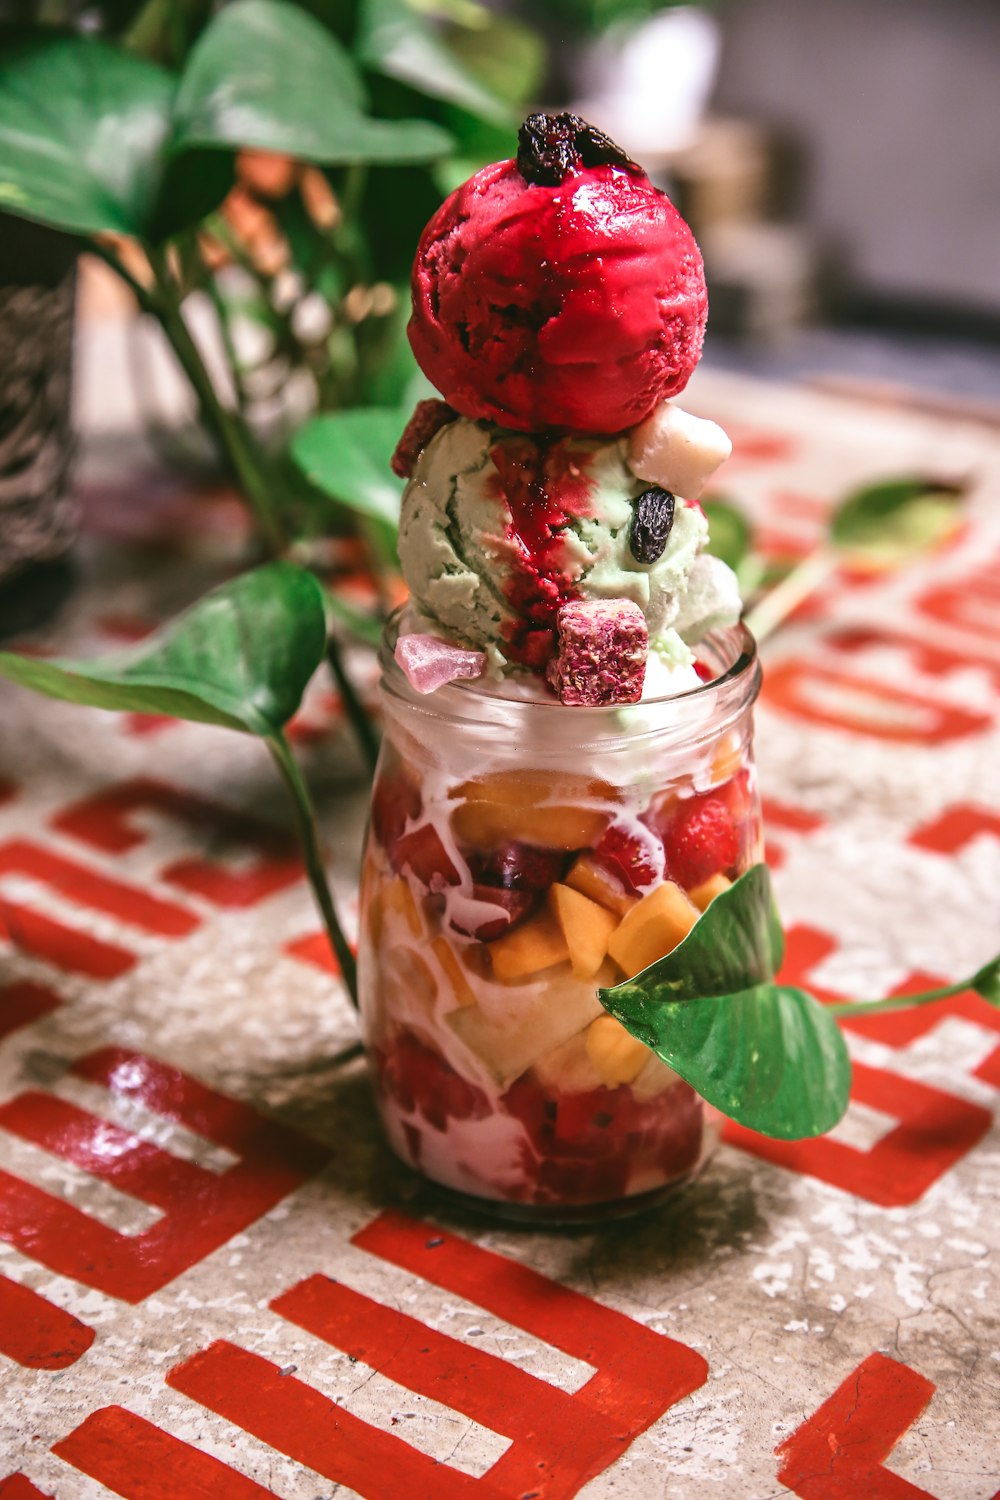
(551, 147)
(652, 519)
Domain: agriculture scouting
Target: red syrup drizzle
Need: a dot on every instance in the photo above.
(545, 485)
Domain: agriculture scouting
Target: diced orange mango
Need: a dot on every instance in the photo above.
(593, 880)
(586, 926)
(727, 758)
(653, 928)
(535, 945)
(452, 966)
(397, 897)
(616, 1055)
(531, 806)
(705, 893)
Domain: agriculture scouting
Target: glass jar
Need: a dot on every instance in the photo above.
(522, 854)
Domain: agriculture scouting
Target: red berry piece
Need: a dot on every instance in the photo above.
(419, 1079)
(702, 841)
(636, 859)
(427, 420)
(395, 802)
(484, 928)
(516, 866)
(423, 853)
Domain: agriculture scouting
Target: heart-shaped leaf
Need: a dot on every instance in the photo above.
(82, 133)
(735, 944)
(241, 657)
(394, 40)
(346, 454)
(987, 982)
(728, 531)
(893, 520)
(769, 1057)
(765, 1054)
(265, 73)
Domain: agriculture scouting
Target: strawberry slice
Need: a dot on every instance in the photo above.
(701, 841)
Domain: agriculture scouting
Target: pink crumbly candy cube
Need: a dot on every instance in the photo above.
(428, 662)
(601, 656)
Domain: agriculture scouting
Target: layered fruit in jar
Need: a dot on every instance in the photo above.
(494, 907)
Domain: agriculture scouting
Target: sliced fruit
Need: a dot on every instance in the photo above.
(452, 966)
(419, 1079)
(701, 841)
(616, 1055)
(586, 927)
(705, 893)
(636, 858)
(597, 882)
(727, 757)
(652, 929)
(495, 914)
(397, 897)
(406, 977)
(395, 800)
(510, 1038)
(517, 866)
(530, 807)
(535, 945)
(423, 853)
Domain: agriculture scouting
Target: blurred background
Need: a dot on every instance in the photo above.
(222, 200)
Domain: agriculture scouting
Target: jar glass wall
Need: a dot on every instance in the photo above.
(521, 855)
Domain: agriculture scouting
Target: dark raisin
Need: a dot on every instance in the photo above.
(651, 522)
(599, 150)
(550, 147)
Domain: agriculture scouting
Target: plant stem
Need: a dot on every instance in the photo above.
(249, 464)
(802, 581)
(862, 1008)
(360, 722)
(305, 821)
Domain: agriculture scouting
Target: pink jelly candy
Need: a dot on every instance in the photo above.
(601, 655)
(429, 662)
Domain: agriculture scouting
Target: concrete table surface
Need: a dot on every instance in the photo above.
(215, 1280)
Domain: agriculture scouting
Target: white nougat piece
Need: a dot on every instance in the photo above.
(677, 451)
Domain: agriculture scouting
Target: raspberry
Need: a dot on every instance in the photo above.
(701, 842)
(428, 418)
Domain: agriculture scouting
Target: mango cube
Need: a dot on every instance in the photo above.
(593, 880)
(452, 966)
(615, 1054)
(702, 895)
(397, 897)
(530, 807)
(653, 928)
(586, 926)
(534, 945)
(727, 758)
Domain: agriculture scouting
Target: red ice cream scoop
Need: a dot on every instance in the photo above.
(558, 290)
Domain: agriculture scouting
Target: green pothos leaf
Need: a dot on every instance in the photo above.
(767, 1055)
(241, 658)
(895, 519)
(987, 982)
(729, 534)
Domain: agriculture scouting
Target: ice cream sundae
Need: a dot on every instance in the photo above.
(566, 780)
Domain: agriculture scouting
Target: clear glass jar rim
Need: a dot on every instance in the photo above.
(721, 698)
